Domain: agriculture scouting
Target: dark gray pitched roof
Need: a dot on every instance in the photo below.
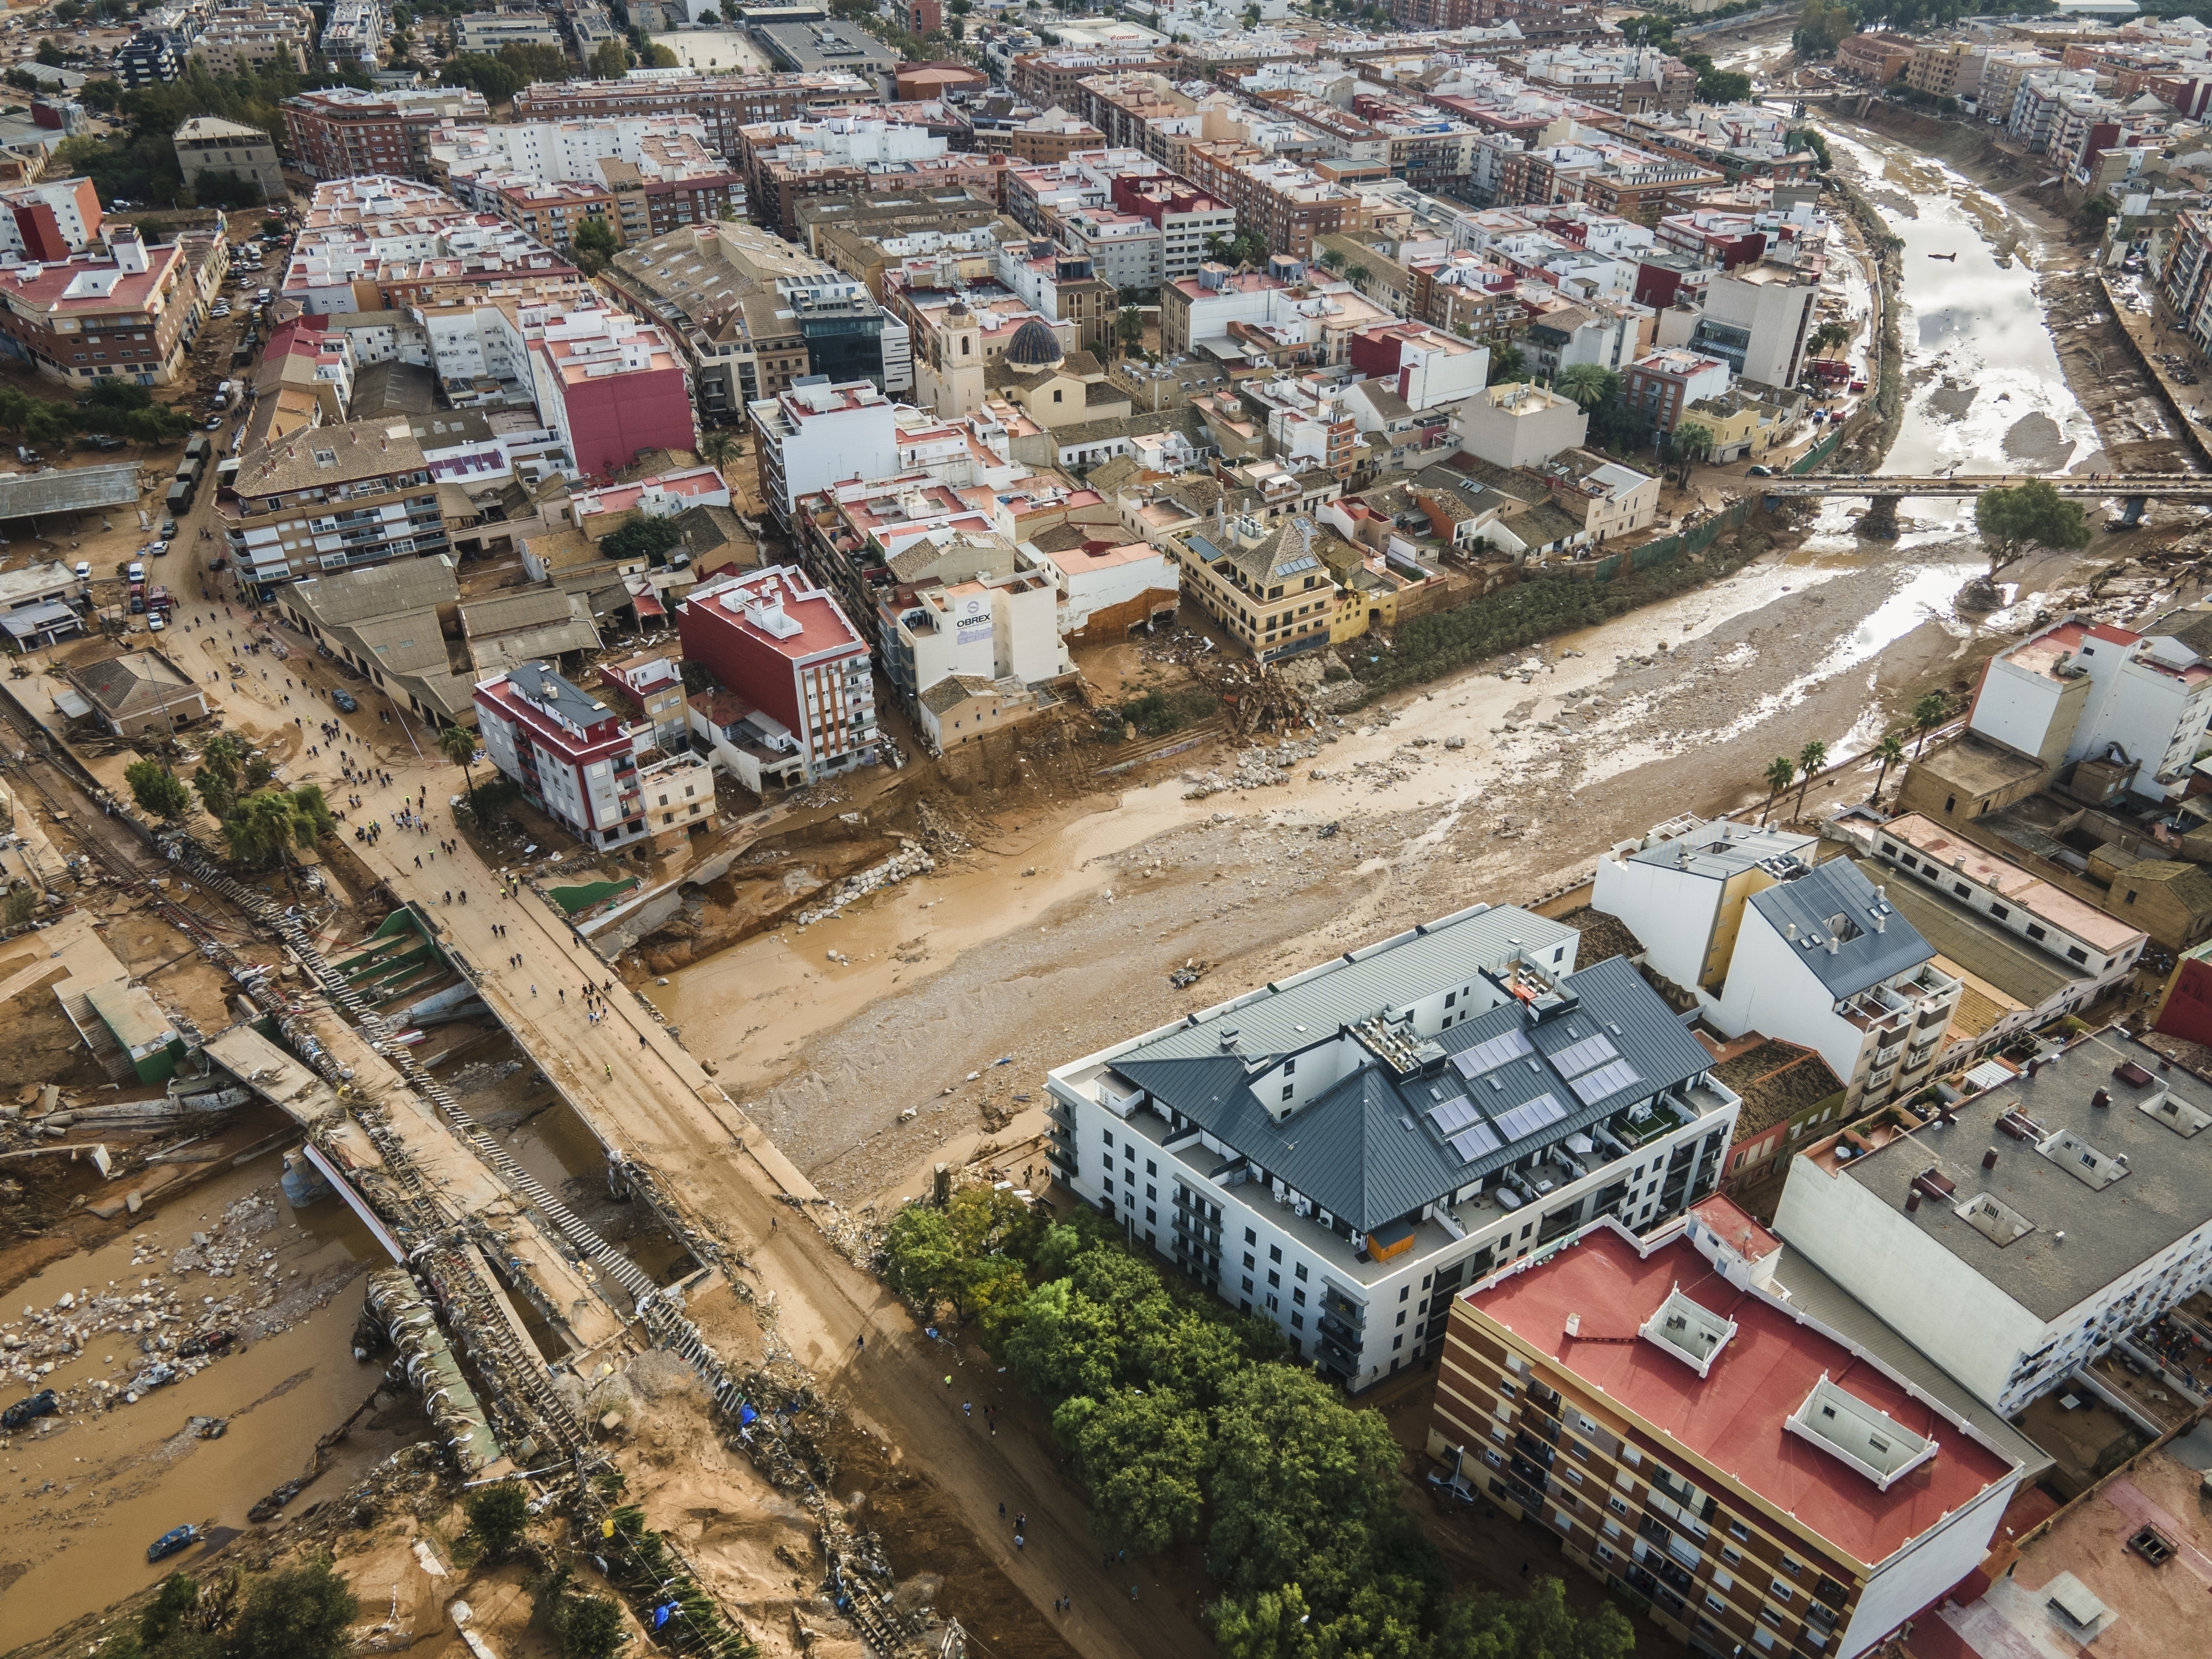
(1379, 1145)
(1834, 900)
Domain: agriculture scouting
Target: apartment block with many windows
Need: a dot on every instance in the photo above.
(1341, 1149)
(331, 498)
(1713, 1429)
(344, 132)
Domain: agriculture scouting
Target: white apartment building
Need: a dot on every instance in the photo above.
(553, 152)
(2094, 944)
(817, 435)
(1756, 319)
(2025, 1230)
(1339, 1151)
(2080, 688)
(1518, 423)
(1123, 249)
(2035, 106)
(1767, 940)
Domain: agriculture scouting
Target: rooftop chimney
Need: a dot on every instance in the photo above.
(1574, 1324)
(1989, 1159)
(2102, 1097)
(1912, 1202)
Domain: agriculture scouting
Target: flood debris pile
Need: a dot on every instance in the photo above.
(910, 860)
(1257, 766)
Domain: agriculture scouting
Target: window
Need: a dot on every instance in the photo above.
(1999, 912)
(1109, 1137)
(1715, 1602)
(1959, 888)
(2075, 953)
(1289, 1089)
(1298, 1296)
(2034, 931)
(1768, 1614)
(1274, 1279)
(1151, 1168)
(1781, 1590)
(1402, 1315)
(1274, 1253)
(1249, 1263)
(1247, 1284)
(1250, 1237)
(1298, 1322)
(1272, 1305)
(1298, 1272)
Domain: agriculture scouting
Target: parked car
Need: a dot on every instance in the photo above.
(101, 440)
(215, 423)
(154, 622)
(157, 549)
(135, 571)
(1759, 472)
(347, 702)
(168, 530)
(84, 570)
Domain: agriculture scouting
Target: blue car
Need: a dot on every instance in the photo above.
(346, 702)
(41, 1404)
(177, 1538)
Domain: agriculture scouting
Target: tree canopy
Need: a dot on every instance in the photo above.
(2013, 520)
(157, 789)
(640, 536)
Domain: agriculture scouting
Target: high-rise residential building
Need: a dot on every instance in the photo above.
(783, 647)
(1706, 1422)
(344, 132)
(610, 387)
(1288, 206)
(725, 104)
(329, 498)
(127, 313)
(245, 39)
(1337, 1151)
(608, 783)
(51, 219)
(819, 433)
(651, 176)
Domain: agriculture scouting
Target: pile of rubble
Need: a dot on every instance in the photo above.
(909, 861)
(1259, 766)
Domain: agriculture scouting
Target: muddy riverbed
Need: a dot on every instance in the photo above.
(867, 1044)
(87, 1491)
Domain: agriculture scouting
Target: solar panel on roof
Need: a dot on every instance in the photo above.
(1581, 1056)
(1491, 1053)
(1526, 1118)
(1609, 1079)
(1454, 1115)
(1475, 1142)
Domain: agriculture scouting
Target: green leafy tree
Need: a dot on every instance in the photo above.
(2033, 514)
(1488, 1625)
(1805, 138)
(1779, 776)
(489, 75)
(170, 1611)
(535, 63)
(1829, 336)
(458, 744)
(1266, 1625)
(665, 56)
(640, 536)
(498, 1516)
(1722, 85)
(225, 190)
(1810, 759)
(1822, 26)
(592, 1628)
(222, 767)
(595, 244)
(1506, 363)
(1888, 751)
(50, 54)
(1930, 712)
(1305, 1489)
(1144, 1456)
(157, 789)
(610, 60)
(922, 1263)
(299, 1614)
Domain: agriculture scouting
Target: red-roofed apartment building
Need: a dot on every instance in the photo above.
(49, 219)
(1775, 1474)
(579, 762)
(611, 386)
(785, 646)
(126, 315)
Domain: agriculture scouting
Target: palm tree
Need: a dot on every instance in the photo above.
(717, 445)
(1810, 759)
(1888, 751)
(1587, 383)
(1692, 441)
(1779, 777)
(269, 822)
(1930, 712)
(1357, 274)
(1333, 259)
(458, 744)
